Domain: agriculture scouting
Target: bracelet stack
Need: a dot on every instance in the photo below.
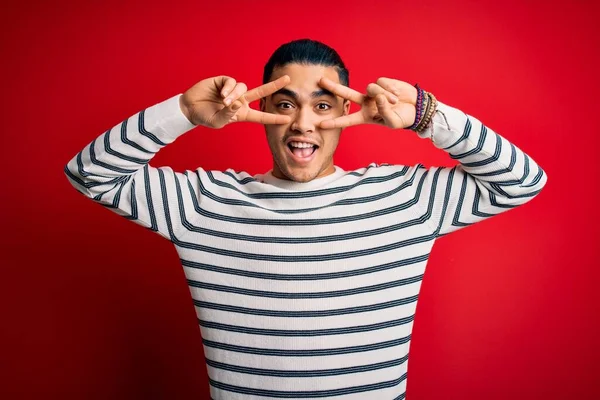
(425, 108)
(419, 107)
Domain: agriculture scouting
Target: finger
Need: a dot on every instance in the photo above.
(237, 92)
(342, 122)
(342, 91)
(384, 109)
(227, 84)
(267, 89)
(403, 90)
(266, 118)
(388, 84)
(374, 89)
(224, 116)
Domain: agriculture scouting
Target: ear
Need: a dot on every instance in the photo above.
(346, 107)
(262, 105)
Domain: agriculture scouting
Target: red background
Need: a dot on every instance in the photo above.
(96, 307)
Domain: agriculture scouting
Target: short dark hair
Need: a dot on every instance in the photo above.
(308, 52)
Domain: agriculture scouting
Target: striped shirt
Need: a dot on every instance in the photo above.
(305, 290)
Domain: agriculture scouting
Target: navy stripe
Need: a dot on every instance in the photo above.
(148, 190)
(307, 373)
(122, 156)
(495, 203)
(305, 295)
(133, 202)
(466, 132)
(513, 160)
(110, 167)
(243, 181)
(343, 202)
(115, 198)
(143, 131)
(250, 179)
(475, 209)
(299, 240)
(91, 183)
(306, 314)
(306, 352)
(306, 394)
(305, 277)
(446, 201)
(518, 181)
(536, 179)
(306, 333)
(310, 193)
(131, 143)
(488, 160)
(476, 149)
(165, 199)
(75, 178)
(304, 257)
(461, 197)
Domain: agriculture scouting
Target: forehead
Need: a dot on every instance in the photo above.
(305, 78)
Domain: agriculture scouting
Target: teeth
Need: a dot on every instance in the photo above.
(301, 144)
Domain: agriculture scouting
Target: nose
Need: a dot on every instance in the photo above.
(304, 121)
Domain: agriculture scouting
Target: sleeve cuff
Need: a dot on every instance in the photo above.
(167, 120)
(446, 127)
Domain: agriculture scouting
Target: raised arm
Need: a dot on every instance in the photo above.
(114, 169)
(493, 175)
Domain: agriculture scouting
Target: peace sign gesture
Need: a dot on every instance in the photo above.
(218, 101)
(388, 102)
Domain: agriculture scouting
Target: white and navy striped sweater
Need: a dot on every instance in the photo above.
(305, 290)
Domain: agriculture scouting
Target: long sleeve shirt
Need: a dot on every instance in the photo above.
(305, 290)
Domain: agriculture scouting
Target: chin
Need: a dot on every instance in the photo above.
(301, 176)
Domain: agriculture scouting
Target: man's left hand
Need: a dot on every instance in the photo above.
(388, 102)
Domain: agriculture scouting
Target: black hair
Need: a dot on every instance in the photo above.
(307, 52)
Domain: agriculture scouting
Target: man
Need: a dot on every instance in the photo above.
(305, 279)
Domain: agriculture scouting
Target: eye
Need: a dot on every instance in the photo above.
(284, 105)
(323, 106)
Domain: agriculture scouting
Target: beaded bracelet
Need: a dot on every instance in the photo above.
(420, 109)
(424, 123)
(423, 111)
(426, 108)
(425, 114)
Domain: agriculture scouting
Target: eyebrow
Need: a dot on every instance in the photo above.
(313, 95)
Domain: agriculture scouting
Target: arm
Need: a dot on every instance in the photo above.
(114, 170)
(493, 175)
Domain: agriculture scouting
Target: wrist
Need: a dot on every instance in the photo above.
(184, 109)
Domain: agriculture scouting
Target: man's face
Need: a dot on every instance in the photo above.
(301, 150)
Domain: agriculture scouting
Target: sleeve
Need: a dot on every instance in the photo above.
(114, 170)
(492, 176)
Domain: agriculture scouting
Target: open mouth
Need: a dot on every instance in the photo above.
(302, 151)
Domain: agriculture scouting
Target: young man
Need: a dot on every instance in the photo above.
(305, 279)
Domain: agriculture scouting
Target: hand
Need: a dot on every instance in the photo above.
(218, 101)
(388, 102)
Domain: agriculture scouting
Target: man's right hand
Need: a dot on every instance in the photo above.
(218, 101)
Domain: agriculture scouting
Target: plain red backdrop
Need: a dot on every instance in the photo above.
(96, 307)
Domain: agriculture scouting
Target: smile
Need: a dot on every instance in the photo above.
(302, 153)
